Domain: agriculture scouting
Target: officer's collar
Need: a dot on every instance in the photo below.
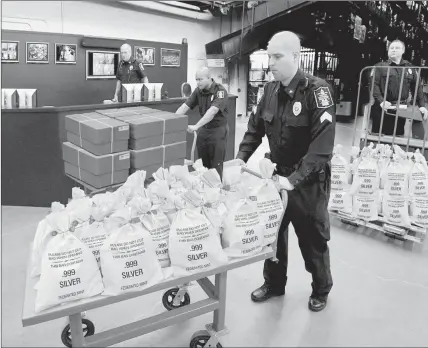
(211, 90)
(294, 84)
(130, 61)
(390, 62)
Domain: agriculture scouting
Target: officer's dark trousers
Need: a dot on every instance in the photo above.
(388, 122)
(307, 211)
(211, 145)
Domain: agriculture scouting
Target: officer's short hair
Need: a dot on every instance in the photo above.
(402, 44)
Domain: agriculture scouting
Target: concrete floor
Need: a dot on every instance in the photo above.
(379, 298)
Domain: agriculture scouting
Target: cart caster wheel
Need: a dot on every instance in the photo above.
(88, 328)
(168, 299)
(200, 339)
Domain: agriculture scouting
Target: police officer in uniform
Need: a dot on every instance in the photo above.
(297, 114)
(129, 70)
(212, 128)
(395, 54)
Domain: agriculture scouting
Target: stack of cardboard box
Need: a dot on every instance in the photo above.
(97, 149)
(130, 139)
(156, 139)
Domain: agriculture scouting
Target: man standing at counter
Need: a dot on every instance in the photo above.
(129, 70)
(212, 128)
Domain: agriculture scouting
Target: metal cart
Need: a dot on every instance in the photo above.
(86, 337)
(80, 332)
(415, 232)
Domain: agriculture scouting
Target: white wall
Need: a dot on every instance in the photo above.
(108, 20)
(113, 21)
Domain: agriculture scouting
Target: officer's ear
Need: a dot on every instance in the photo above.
(296, 56)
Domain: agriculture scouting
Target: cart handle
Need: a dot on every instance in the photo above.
(192, 153)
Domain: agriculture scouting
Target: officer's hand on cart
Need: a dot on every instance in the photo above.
(282, 183)
(192, 129)
(114, 99)
(385, 104)
(424, 112)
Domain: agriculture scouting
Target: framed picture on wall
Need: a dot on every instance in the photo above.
(65, 53)
(37, 52)
(170, 57)
(101, 64)
(146, 54)
(10, 51)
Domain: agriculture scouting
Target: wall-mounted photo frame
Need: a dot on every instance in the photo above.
(170, 57)
(145, 54)
(65, 53)
(101, 64)
(9, 51)
(37, 52)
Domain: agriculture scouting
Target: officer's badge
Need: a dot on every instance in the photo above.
(323, 98)
(297, 108)
(131, 67)
(220, 94)
(141, 66)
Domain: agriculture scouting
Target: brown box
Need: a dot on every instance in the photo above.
(96, 165)
(98, 149)
(175, 151)
(117, 113)
(97, 128)
(173, 122)
(97, 133)
(154, 141)
(146, 130)
(142, 110)
(147, 157)
(97, 181)
(145, 143)
(143, 126)
(158, 155)
(154, 167)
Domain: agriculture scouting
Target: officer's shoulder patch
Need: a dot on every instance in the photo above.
(220, 94)
(323, 97)
(141, 66)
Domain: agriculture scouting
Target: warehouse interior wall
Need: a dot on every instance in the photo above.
(112, 21)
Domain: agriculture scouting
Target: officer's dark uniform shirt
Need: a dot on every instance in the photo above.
(215, 96)
(299, 121)
(130, 72)
(409, 82)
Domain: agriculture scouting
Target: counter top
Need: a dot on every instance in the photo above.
(55, 109)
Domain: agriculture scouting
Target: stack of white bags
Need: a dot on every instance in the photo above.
(182, 223)
(381, 183)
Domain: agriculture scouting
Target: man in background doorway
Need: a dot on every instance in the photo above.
(396, 63)
(130, 70)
